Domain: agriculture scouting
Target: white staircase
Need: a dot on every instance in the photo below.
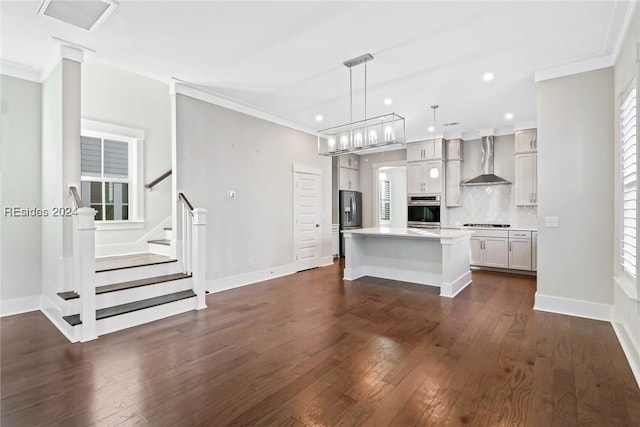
(114, 293)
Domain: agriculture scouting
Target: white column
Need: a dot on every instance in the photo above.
(198, 255)
(85, 258)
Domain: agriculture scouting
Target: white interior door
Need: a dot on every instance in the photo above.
(307, 214)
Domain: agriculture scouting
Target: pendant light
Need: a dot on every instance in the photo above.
(434, 172)
(369, 134)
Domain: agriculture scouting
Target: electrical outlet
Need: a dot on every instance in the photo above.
(231, 194)
(551, 221)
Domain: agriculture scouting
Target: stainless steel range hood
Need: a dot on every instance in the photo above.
(487, 177)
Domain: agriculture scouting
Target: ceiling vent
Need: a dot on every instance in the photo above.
(85, 14)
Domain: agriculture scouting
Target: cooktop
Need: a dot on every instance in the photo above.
(487, 225)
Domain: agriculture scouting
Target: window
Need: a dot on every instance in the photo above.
(385, 202)
(111, 173)
(629, 168)
(105, 177)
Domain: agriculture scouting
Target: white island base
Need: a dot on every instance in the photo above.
(428, 257)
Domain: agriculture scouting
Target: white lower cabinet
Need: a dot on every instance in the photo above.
(489, 248)
(520, 250)
(511, 249)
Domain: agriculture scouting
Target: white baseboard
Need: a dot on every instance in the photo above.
(226, 283)
(218, 285)
(54, 315)
(20, 305)
(630, 350)
(450, 290)
(573, 307)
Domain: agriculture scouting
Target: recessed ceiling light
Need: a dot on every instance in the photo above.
(487, 77)
(431, 128)
(508, 116)
(319, 118)
(88, 15)
(388, 101)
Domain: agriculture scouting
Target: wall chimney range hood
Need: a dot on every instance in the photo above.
(487, 177)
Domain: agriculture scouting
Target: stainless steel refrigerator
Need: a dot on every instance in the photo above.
(350, 213)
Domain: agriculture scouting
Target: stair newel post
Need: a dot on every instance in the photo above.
(85, 253)
(198, 255)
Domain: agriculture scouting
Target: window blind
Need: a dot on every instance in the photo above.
(91, 156)
(385, 199)
(629, 167)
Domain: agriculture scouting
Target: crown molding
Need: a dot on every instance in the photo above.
(20, 71)
(575, 68)
(203, 94)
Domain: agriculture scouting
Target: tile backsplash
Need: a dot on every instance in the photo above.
(491, 204)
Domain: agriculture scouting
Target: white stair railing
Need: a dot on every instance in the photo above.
(193, 231)
(84, 260)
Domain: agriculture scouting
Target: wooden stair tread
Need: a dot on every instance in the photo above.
(129, 307)
(165, 242)
(68, 295)
(130, 261)
(138, 283)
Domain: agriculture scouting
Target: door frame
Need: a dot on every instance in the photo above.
(375, 167)
(309, 170)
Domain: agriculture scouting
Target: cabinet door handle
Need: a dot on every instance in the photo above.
(510, 243)
(535, 141)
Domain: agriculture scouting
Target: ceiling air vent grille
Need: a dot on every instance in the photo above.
(85, 14)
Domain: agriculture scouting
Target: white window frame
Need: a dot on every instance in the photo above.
(135, 139)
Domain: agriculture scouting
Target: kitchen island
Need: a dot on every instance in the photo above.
(435, 257)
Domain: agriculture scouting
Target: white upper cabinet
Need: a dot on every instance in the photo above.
(526, 179)
(351, 161)
(452, 194)
(454, 149)
(349, 179)
(425, 177)
(431, 149)
(526, 141)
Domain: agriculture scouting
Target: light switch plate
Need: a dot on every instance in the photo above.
(551, 221)
(231, 194)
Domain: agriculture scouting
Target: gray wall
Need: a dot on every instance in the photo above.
(122, 98)
(219, 150)
(575, 181)
(20, 171)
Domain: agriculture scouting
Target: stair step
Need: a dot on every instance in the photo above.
(68, 295)
(142, 282)
(130, 261)
(107, 312)
(165, 242)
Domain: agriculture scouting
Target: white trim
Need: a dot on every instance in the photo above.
(575, 68)
(307, 169)
(111, 129)
(204, 94)
(573, 307)
(393, 164)
(629, 349)
(627, 285)
(119, 225)
(54, 315)
(450, 290)
(13, 306)
(253, 277)
(136, 247)
(624, 29)
(71, 53)
(19, 71)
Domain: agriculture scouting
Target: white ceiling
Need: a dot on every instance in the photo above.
(286, 57)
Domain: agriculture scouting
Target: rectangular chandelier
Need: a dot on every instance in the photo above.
(362, 136)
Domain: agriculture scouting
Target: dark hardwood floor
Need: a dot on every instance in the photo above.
(310, 349)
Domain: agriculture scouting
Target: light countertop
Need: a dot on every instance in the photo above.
(419, 233)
